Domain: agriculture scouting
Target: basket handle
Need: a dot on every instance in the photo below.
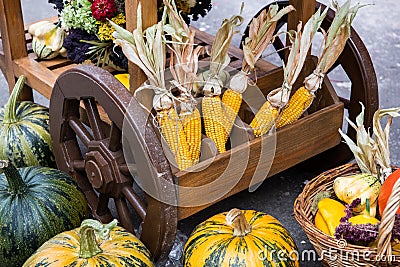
(387, 223)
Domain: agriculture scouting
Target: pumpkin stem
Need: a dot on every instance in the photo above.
(15, 182)
(236, 218)
(10, 108)
(88, 245)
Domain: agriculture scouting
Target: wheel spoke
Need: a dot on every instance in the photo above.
(128, 170)
(78, 165)
(115, 138)
(94, 118)
(124, 215)
(80, 130)
(279, 46)
(102, 205)
(87, 189)
(135, 201)
(345, 101)
(334, 66)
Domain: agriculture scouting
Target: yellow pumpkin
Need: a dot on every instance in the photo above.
(79, 247)
(123, 78)
(240, 238)
(328, 216)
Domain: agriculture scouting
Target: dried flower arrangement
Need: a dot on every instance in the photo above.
(89, 29)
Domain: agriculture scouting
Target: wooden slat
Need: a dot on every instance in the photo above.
(38, 76)
(60, 70)
(56, 62)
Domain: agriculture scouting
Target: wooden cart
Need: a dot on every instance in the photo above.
(88, 111)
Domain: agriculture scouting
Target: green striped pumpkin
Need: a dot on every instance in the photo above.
(24, 132)
(36, 203)
(80, 248)
(240, 238)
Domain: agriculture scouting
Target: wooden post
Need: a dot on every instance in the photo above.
(14, 43)
(304, 10)
(149, 15)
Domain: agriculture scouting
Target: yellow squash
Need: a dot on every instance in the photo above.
(329, 214)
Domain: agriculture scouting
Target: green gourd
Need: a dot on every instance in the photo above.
(36, 203)
(24, 132)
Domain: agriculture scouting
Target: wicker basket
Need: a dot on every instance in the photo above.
(335, 252)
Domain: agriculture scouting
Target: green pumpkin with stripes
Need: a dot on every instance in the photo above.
(241, 239)
(93, 244)
(24, 132)
(36, 203)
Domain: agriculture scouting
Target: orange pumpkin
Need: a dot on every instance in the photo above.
(386, 190)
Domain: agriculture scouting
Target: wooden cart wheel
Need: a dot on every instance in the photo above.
(357, 65)
(88, 147)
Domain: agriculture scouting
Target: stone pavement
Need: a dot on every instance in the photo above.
(378, 26)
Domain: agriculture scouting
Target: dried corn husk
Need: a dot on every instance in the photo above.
(334, 42)
(219, 57)
(146, 49)
(279, 97)
(185, 53)
(381, 136)
(372, 152)
(261, 33)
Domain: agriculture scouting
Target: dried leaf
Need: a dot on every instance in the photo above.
(382, 138)
(261, 32)
(337, 35)
(356, 152)
(219, 51)
(298, 53)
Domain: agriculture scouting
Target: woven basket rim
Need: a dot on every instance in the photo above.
(303, 214)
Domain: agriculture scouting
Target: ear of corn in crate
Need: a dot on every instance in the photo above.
(278, 98)
(184, 66)
(333, 44)
(147, 49)
(261, 32)
(215, 122)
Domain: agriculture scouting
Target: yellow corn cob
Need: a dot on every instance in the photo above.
(298, 103)
(214, 120)
(232, 101)
(192, 127)
(174, 134)
(264, 119)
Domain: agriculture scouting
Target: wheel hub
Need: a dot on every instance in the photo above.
(102, 168)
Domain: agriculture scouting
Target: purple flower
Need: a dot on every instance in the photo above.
(76, 49)
(59, 4)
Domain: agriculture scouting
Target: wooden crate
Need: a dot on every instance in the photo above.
(315, 132)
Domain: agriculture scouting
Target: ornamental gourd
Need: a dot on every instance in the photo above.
(36, 203)
(47, 39)
(24, 132)
(240, 238)
(361, 185)
(79, 248)
(328, 215)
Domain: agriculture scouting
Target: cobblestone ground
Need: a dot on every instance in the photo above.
(379, 28)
